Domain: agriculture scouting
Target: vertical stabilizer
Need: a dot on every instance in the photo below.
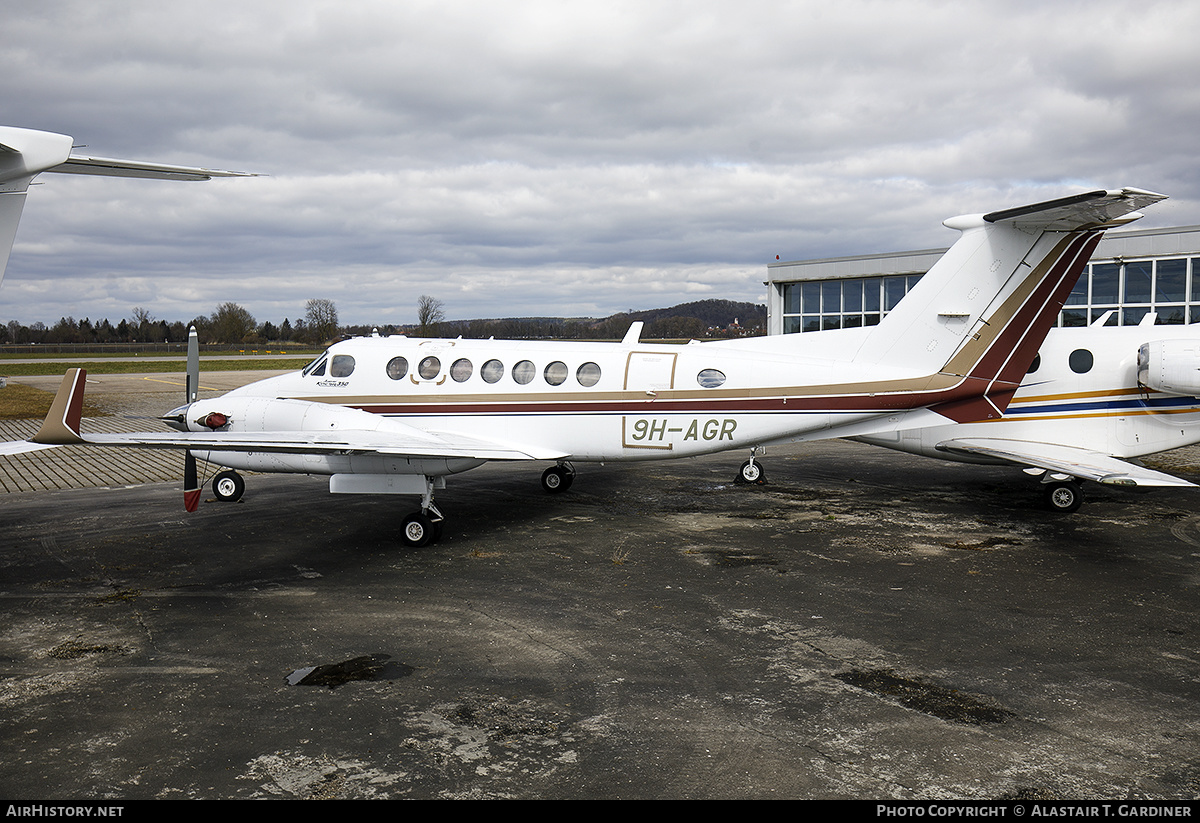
(984, 308)
(24, 154)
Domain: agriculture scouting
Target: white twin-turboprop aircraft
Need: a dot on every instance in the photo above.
(1093, 399)
(396, 415)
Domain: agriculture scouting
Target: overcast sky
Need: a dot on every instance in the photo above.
(555, 158)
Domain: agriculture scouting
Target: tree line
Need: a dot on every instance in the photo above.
(232, 324)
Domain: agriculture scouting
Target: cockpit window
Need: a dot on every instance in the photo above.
(316, 368)
(341, 366)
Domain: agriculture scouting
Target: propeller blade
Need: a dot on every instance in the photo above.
(193, 366)
(191, 484)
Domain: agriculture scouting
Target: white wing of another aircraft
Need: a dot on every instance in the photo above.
(26, 153)
(1085, 464)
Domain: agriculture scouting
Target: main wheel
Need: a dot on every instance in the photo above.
(1064, 496)
(418, 530)
(557, 479)
(751, 472)
(229, 486)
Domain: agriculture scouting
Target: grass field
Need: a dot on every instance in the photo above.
(147, 366)
(19, 402)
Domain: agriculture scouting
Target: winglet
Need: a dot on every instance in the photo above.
(61, 426)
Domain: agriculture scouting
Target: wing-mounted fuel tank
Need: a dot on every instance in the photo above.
(1170, 366)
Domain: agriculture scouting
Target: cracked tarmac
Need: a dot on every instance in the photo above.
(865, 625)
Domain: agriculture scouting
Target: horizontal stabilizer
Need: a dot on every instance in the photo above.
(1089, 210)
(1081, 463)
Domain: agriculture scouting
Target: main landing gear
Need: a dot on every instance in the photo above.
(557, 479)
(228, 486)
(424, 527)
(1064, 496)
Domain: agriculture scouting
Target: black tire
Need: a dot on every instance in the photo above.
(228, 486)
(418, 530)
(1064, 496)
(556, 479)
(751, 472)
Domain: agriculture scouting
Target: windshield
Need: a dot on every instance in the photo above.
(316, 367)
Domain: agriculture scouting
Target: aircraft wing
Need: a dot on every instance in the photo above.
(418, 444)
(1082, 463)
(108, 167)
(392, 443)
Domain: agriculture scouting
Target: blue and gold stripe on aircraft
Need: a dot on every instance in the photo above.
(1109, 403)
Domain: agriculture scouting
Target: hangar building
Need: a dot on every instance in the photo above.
(1131, 273)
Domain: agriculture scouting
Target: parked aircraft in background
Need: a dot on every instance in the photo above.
(1093, 398)
(26, 153)
(394, 415)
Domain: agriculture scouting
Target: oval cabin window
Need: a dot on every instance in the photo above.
(461, 370)
(710, 378)
(1081, 361)
(524, 372)
(492, 371)
(588, 374)
(397, 367)
(429, 368)
(556, 373)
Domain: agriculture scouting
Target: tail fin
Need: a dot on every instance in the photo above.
(25, 153)
(61, 426)
(980, 314)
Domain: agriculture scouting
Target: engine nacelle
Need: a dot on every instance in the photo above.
(1170, 366)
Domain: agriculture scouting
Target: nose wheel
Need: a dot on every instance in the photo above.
(751, 472)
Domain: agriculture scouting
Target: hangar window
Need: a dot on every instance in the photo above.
(492, 371)
(588, 374)
(556, 373)
(429, 368)
(1081, 361)
(710, 378)
(524, 372)
(461, 370)
(397, 367)
(316, 368)
(341, 366)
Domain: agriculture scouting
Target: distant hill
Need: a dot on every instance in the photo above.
(702, 318)
(715, 313)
